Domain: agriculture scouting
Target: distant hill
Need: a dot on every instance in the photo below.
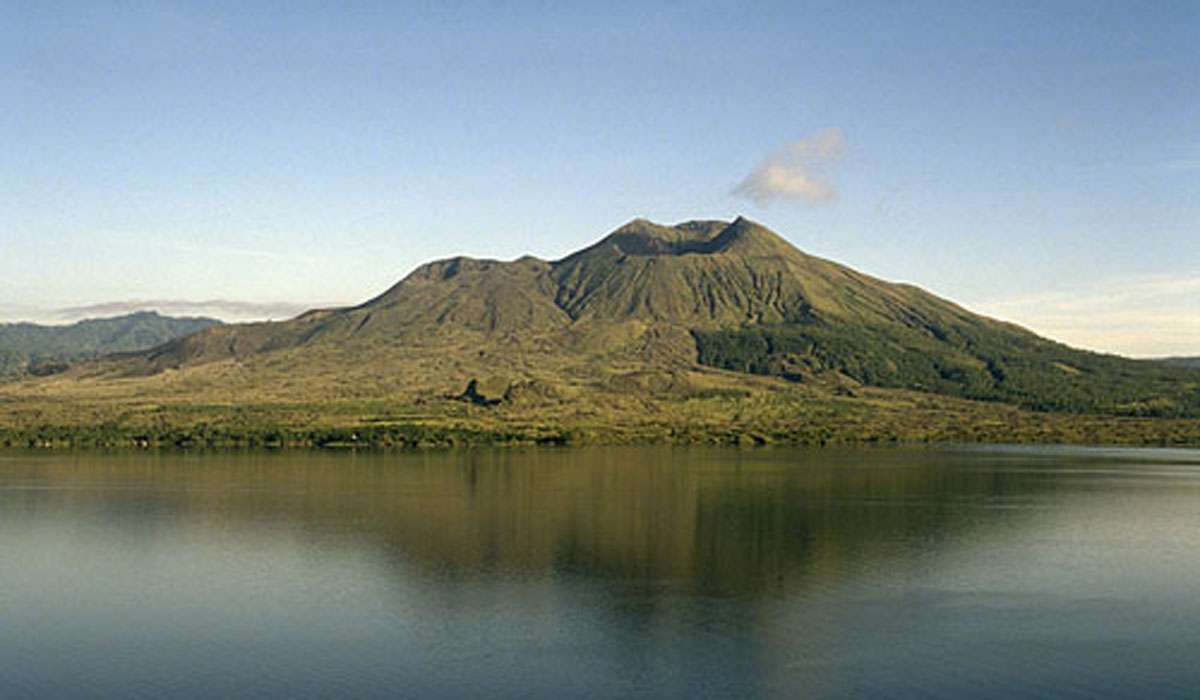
(652, 308)
(38, 349)
(1193, 362)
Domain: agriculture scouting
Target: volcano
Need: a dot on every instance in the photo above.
(650, 307)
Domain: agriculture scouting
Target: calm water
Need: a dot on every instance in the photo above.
(606, 573)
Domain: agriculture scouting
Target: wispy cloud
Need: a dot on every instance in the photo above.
(1140, 317)
(798, 171)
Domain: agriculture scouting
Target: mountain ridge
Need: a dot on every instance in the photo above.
(649, 307)
(44, 349)
(1183, 361)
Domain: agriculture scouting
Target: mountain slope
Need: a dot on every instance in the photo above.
(650, 300)
(43, 349)
(1193, 362)
(711, 274)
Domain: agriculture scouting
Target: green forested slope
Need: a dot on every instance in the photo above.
(38, 349)
(976, 363)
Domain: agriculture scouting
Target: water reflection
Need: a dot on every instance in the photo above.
(720, 523)
(611, 572)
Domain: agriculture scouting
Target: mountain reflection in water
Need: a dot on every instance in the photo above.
(607, 572)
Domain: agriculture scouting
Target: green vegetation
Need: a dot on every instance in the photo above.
(44, 350)
(1009, 367)
(767, 411)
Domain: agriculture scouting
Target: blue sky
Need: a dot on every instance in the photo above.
(1035, 161)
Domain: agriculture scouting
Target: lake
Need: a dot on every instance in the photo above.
(639, 572)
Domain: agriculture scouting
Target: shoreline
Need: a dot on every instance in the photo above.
(1058, 429)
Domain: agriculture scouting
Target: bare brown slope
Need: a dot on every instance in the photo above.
(484, 296)
(217, 344)
(713, 274)
(639, 290)
(443, 300)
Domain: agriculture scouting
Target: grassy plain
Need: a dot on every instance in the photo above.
(687, 408)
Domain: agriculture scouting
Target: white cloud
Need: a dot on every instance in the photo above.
(224, 309)
(799, 171)
(1140, 317)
